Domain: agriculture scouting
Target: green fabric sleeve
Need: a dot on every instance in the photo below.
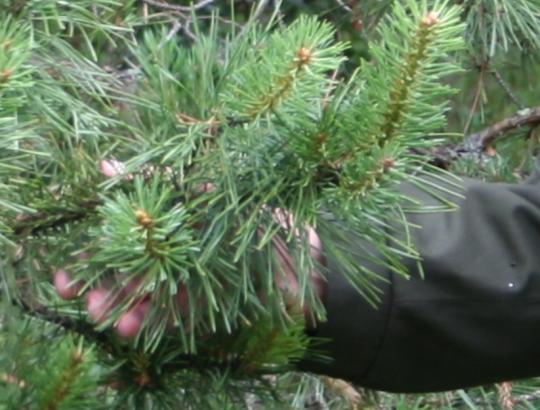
(474, 319)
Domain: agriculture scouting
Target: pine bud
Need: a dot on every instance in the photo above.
(304, 55)
(388, 163)
(431, 19)
(144, 218)
(77, 357)
(143, 379)
(5, 75)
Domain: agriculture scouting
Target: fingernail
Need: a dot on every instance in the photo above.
(129, 324)
(112, 168)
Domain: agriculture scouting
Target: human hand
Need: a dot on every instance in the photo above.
(101, 301)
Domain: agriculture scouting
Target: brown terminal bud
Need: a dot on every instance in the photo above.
(23, 217)
(77, 357)
(143, 379)
(358, 25)
(5, 75)
(304, 55)
(144, 218)
(388, 163)
(7, 45)
(431, 19)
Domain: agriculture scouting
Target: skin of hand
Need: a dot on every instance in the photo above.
(100, 301)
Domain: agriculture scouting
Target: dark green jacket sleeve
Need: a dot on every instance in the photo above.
(474, 319)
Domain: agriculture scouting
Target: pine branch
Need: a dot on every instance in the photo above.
(283, 84)
(289, 66)
(64, 384)
(36, 223)
(478, 142)
(402, 97)
(80, 327)
(496, 26)
(408, 77)
(506, 87)
(177, 362)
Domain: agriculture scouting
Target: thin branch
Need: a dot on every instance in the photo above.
(476, 101)
(507, 89)
(166, 6)
(443, 156)
(259, 10)
(80, 327)
(108, 342)
(535, 395)
(481, 140)
(177, 26)
(31, 224)
(261, 6)
(343, 6)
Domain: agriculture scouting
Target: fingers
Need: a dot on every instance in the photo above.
(287, 222)
(112, 168)
(101, 301)
(65, 287)
(290, 281)
(287, 280)
(182, 300)
(315, 244)
(98, 304)
(64, 284)
(130, 323)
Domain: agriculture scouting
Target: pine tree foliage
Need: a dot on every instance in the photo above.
(495, 25)
(35, 376)
(206, 141)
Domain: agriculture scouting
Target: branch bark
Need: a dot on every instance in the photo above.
(32, 224)
(479, 141)
(166, 6)
(109, 343)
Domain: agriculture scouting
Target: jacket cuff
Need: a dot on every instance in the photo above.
(354, 330)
